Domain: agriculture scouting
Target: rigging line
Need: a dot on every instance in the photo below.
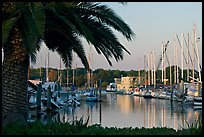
(194, 49)
(165, 46)
(195, 52)
(188, 51)
(167, 59)
(180, 47)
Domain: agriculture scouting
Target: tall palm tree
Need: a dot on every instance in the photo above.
(60, 25)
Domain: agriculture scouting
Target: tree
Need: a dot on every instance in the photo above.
(60, 25)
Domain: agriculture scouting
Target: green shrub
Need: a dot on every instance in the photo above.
(79, 127)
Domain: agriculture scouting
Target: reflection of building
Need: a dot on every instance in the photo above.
(125, 103)
(127, 83)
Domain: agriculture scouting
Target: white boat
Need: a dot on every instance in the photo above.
(32, 99)
(91, 97)
(147, 94)
(188, 100)
(54, 104)
(32, 93)
(112, 87)
(154, 94)
(136, 93)
(142, 93)
(47, 84)
(32, 102)
(198, 100)
(73, 102)
(162, 95)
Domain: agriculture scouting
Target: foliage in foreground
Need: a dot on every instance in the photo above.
(78, 127)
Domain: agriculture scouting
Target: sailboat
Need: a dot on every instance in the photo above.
(198, 99)
(112, 87)
(92, 96)
(48, 83)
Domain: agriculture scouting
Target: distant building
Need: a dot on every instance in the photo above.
(129, 82)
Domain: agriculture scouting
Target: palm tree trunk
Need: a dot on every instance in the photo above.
(14, 79)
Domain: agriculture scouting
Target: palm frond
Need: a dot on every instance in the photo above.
(108, 16)
(33, 55)
(79, 50)
(32, 24)
(38, 17)
(104, 40)
(7, 25)
(66, 47)
(90, 20)
(63, 41)
(64, 21)
(80, 27)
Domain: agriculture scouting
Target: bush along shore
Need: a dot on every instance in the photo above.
(79, 127)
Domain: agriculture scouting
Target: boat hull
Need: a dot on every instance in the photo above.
(91, 99)
(198, 101)
(111, 90)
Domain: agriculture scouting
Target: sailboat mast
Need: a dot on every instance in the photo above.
(164, 79)
(40, 73)
(194, 39)
(151, 62)
(170, 82)
(174, 60)
(145, 70)
(177, 72)
(148, 64)
(139, 71)
(198, 60)
(188, 61)
(47, 78)
(154, 68)
(60, 79)
(76, 75)
(88, 74)
(162, 63)
(67, 78)
(88, 78)
(92, 84)
(73, 72)
(182, 52)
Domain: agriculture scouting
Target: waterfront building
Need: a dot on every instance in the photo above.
(129, 82)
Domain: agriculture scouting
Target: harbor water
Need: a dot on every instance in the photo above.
(121, 111)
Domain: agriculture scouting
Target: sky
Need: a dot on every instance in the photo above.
(153, 23)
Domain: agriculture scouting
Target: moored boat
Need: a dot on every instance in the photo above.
(198, 100)
(147, 94)
(92, 97)
(112, 87)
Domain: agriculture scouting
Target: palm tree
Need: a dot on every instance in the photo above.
(60, 25)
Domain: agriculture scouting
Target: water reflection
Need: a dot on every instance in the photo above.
(91, 106)
(164, 113)
(132, 111)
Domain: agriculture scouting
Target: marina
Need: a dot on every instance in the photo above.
(148, 97)
(67, 63)
(119, 110)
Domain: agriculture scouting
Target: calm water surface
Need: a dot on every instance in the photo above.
(133, 111)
